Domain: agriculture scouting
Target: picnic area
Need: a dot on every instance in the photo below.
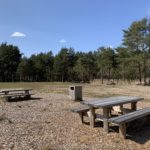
(45, 121)
(75, 75)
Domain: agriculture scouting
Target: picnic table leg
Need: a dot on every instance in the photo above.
(106, 116)
(92, 117)
(81, 116)
(27, 95)
(122, 130)
(6, 92)
(121, 109)
(134, 106)
(26, 92)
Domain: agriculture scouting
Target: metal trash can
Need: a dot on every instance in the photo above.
(75, 93)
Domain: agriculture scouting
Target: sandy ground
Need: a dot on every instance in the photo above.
(46, 123)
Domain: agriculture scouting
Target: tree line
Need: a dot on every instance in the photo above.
(130, 61)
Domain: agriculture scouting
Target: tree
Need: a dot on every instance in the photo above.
(137, 40)
(106, 62)
(63, 64)
(22, 69)
(42, 66)
(85, 67)
(9, 60)
(122, 60)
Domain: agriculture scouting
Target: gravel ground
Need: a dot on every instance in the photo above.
(46, 123)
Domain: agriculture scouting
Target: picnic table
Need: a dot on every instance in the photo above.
(15, 93)
(106, 105)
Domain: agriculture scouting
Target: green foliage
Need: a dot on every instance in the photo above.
(129, 61)
(37, 68)
(137, 41)
(85, 67)
(63, 64)
(9, 60)
(106, 62)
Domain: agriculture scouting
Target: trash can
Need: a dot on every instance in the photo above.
(75, 93)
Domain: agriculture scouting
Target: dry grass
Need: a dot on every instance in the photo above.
(47, 123)
(94, 89)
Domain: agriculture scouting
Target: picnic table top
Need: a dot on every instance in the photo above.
(112, 101)
(13, 90)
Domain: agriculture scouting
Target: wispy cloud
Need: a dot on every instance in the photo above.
(62, 41)
(18, 34)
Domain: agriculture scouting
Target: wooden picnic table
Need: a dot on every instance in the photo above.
(106, 105)
(13, 93)
(6, 91)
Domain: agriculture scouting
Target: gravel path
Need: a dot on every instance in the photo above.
(46, 123)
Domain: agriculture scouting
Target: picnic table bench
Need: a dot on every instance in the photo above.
(85, 111)
(106, 105)
(122, 120)
(82, 111)
(9, 94)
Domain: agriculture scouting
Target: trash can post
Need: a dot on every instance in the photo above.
(75, 93)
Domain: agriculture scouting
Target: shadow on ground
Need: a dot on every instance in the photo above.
(24, 99)
(141, 135)
(137, 131)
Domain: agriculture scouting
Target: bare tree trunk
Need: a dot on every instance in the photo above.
(140, 72)
(102, 77)
(12, 78)
(144, 68)
(63, 75)
(82, 76)
(123, 73)
(109, 74)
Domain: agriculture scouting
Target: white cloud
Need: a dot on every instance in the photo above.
(18, 34)
(62, 41)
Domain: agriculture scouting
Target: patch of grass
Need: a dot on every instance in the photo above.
(89, 90)
(48, 87)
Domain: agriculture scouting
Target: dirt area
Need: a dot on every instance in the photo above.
(46, 123)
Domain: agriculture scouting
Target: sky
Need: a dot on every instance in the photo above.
(42, 25)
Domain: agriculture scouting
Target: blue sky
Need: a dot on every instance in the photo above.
(42, 25)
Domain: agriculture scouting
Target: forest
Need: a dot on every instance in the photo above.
(127, 62)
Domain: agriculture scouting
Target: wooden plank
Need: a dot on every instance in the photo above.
(119, 117)
(11, 94)
(118, 102)
(112, 101)
(13, 90)
(9, 97)
(90, 102)
(80, 109)
(17, 94)
(136, 116)
(130, 116)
